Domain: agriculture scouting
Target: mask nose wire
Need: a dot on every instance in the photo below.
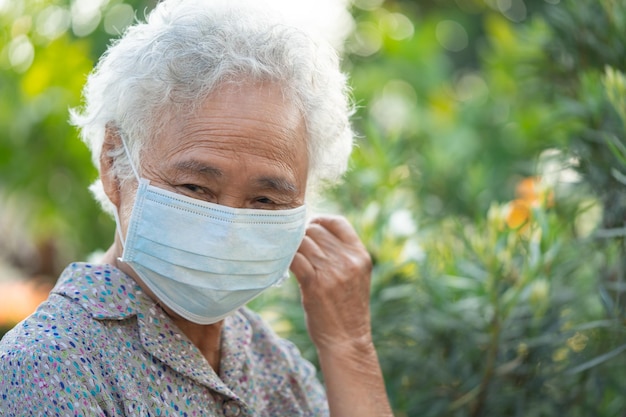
(118, 227)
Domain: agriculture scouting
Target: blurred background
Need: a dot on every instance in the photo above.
(488, 184)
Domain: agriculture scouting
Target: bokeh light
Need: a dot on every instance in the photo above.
(452, 36)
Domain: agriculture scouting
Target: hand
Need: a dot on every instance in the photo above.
(334, 272)
(334, 269)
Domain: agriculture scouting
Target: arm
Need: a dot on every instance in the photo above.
(334, 269)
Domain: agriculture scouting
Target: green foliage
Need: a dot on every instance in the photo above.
(44, 168)
(488, 298)
(473, 317)
(498, 317)
(589, 39)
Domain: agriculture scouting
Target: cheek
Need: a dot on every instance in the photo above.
(127, 200)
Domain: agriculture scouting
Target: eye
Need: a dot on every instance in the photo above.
(196, 191)
(194, 188)
(264, 200)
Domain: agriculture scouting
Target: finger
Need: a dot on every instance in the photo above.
(321, 237)
(323, 249)
(324, 242)
(308, 255)
(339, 227)
(301, 268)
(312, 245)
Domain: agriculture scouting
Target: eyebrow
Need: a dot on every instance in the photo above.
(266, 183)
(196, 166)
(278, 184)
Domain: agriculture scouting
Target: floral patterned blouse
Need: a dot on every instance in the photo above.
(99, 346)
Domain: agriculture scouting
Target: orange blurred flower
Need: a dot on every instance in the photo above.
(518, 214)
(534, 192)
(18, 299)
(530, 192)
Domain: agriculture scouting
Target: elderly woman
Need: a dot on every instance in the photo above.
(210, 125)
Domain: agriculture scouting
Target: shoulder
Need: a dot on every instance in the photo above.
(62, 360)
(43, 361)
(58, 324)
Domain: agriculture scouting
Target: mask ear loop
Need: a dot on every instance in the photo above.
(116, 215)
(130, 160)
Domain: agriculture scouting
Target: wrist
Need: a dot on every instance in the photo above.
(356, 357)
(354, 379)
(355, 346)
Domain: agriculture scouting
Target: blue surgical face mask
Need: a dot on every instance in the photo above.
(204, 260)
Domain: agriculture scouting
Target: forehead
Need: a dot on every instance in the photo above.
(246, 126)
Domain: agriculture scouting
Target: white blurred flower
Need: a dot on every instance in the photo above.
(401, 223)
(555, 168)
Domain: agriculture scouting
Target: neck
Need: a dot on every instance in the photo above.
(207, 338)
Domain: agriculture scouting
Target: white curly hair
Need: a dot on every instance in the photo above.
(186, 49)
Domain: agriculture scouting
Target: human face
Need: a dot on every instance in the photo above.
(245, 147)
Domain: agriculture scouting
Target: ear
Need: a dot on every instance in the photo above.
(110, 181)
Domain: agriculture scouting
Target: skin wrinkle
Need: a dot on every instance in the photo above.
(266, 133)
(197, 167)
(269, 113)
(190, 169)
(247, 183)
(200, 167)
